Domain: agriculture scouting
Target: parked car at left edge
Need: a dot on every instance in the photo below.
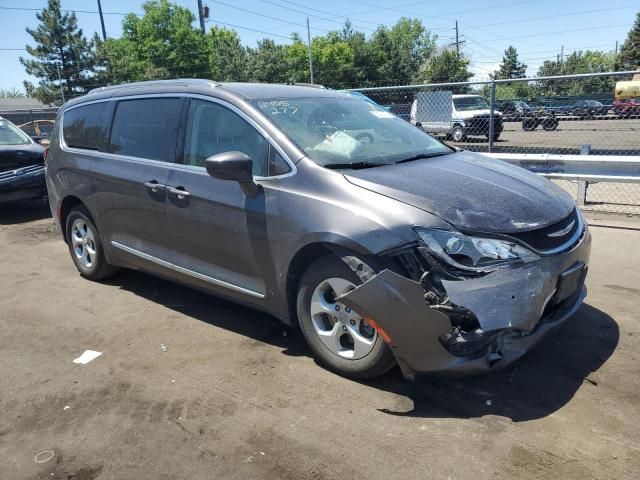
(21, 165)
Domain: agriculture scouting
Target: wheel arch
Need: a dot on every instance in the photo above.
(67, 204)
(302, 259)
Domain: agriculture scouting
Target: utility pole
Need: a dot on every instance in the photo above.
(561, 53)
(104, 32)
(310, 56)
(616, 47)
(458, 42)
(200, 16)
(60, 82)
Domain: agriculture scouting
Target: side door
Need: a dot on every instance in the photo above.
(130, 180)
(218, 233)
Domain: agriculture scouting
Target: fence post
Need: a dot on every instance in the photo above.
(583, 185)
(493, 106)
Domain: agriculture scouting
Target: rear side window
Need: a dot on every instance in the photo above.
(86, 126)
(146, 128)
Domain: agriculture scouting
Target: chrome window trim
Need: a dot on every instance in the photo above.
(64, 147)
(186, 271)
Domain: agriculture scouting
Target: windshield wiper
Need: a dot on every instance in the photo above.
(420, 156)
(353, 165)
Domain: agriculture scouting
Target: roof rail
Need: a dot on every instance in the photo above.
(152, 83)
(310, 85)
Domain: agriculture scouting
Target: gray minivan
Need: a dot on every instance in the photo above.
(382, 244)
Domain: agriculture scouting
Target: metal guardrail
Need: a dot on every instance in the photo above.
(582, 170)
(600, 168)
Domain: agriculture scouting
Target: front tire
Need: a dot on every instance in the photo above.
(529, 124)
(85, 246)
(457, 134)
(339, 337)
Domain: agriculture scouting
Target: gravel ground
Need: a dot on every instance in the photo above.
(612, 136)
(236, 396)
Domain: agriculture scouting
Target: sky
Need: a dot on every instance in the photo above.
(539, 29)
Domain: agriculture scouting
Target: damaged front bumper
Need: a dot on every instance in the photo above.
(514, 308)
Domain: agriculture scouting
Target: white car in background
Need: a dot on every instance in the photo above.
(455, 116)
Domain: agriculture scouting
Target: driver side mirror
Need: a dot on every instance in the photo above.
(235, 166)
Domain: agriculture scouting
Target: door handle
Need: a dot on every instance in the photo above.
(154, 186)
(179, 192)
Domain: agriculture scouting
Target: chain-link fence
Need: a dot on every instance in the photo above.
(589, 114)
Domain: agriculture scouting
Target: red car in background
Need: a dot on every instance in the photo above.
(627, 107)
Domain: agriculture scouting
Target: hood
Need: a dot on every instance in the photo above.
(470, 191)
(466, 114)
(13, 157)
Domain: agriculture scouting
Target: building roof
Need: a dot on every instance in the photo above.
(20, 103)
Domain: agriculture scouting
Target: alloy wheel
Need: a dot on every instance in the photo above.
(342, 330)
(83, 243)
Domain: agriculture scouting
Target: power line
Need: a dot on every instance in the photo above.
(252, 30)
(557, 32)
(330, 13)
(137, 15)
(568, 14)
(65, 11)
(312, 15)
(347, 17)
(268, 16)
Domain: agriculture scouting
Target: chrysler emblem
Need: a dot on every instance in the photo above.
(563, 231)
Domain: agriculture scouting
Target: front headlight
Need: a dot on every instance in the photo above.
(475, 254)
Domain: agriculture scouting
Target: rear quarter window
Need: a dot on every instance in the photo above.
(86, 126)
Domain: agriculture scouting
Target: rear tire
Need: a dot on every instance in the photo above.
(339, 338)
(550, 124)
(85, 246)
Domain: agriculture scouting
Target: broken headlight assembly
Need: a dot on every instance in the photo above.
(473, 254)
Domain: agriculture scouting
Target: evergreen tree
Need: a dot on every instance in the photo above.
(510, 67)
(629, 56)
(60, 45)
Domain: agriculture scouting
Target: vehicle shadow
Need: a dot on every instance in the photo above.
(213, 310)
(537, 385)
(14, 213)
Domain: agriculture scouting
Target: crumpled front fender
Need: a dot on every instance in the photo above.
(397, 305)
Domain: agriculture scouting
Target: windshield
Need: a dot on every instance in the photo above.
(470, 103)
(338, 130)
(12, 135)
